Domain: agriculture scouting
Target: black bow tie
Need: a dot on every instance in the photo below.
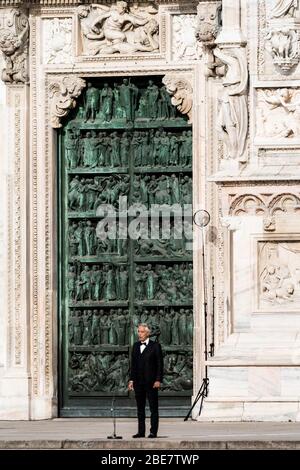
(143, 344)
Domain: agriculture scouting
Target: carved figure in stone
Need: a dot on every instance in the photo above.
(184, 42)
(209, 21)
(283, 8)
(14, 40)
(63, 97)
(57, 40)
(181, 93)
(279, 112)
(117, 29)
(91, 102)
(279, 274)
(232, 121)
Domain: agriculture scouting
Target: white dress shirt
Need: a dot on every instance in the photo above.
(143, 346)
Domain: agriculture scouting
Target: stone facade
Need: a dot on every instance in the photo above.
(239, 85)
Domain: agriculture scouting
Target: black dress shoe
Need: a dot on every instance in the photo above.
(151, 435)
(138, 435)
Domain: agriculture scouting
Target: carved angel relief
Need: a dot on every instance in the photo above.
(118, 29)
(63, 98)
(283, 33)
(182, 94)
(278, 113)
(14, 40)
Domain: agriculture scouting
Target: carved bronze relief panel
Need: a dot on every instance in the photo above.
(125, 243)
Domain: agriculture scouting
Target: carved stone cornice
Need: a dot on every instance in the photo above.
(58, 3)
(63, 94)
(14, 42)
(182, 93)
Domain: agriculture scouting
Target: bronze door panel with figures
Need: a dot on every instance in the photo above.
(125, 244)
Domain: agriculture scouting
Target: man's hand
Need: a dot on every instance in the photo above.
(130, 385)
(156, 384)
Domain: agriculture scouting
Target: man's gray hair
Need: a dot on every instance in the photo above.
(146, 326)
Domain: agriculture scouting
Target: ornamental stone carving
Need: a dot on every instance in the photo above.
(278, 113)
(209, 22)
(184, 45)
(57, 41)
(269, 207)
(208, 26)
(118, 28)
(14, 41)
(63, 98)
(182, 93)
(282, 34)
(279, 274)
(232, 122)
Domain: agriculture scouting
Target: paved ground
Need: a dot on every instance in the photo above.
(89, 433)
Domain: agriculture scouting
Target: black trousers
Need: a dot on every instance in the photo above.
(143, 391)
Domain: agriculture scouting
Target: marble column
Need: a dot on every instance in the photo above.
(14, 279)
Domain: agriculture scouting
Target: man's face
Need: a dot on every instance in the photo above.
(143, 333)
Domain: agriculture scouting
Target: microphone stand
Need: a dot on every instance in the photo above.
(204, 219)
(113, 413)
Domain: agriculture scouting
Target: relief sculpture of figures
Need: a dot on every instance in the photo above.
(282, 8)
(125, 138)
(118, 29)
(232, 121)
(279, 274)
(278, 113)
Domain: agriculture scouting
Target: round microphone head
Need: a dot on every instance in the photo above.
(201, 218)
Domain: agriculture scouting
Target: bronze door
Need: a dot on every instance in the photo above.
(123, 151)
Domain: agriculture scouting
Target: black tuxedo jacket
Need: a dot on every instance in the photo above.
(152, 363)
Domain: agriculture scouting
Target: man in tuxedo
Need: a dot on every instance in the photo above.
(145, 378)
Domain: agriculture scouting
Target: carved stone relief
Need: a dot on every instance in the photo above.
(208, 26)
(282, 8)
(282, 34)
(57, 41)
(279, 274)
(184, 44)
(182, 93)
(118, 28)
(14, 41)
(232, 121)
(278, 112)
(63, 97)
